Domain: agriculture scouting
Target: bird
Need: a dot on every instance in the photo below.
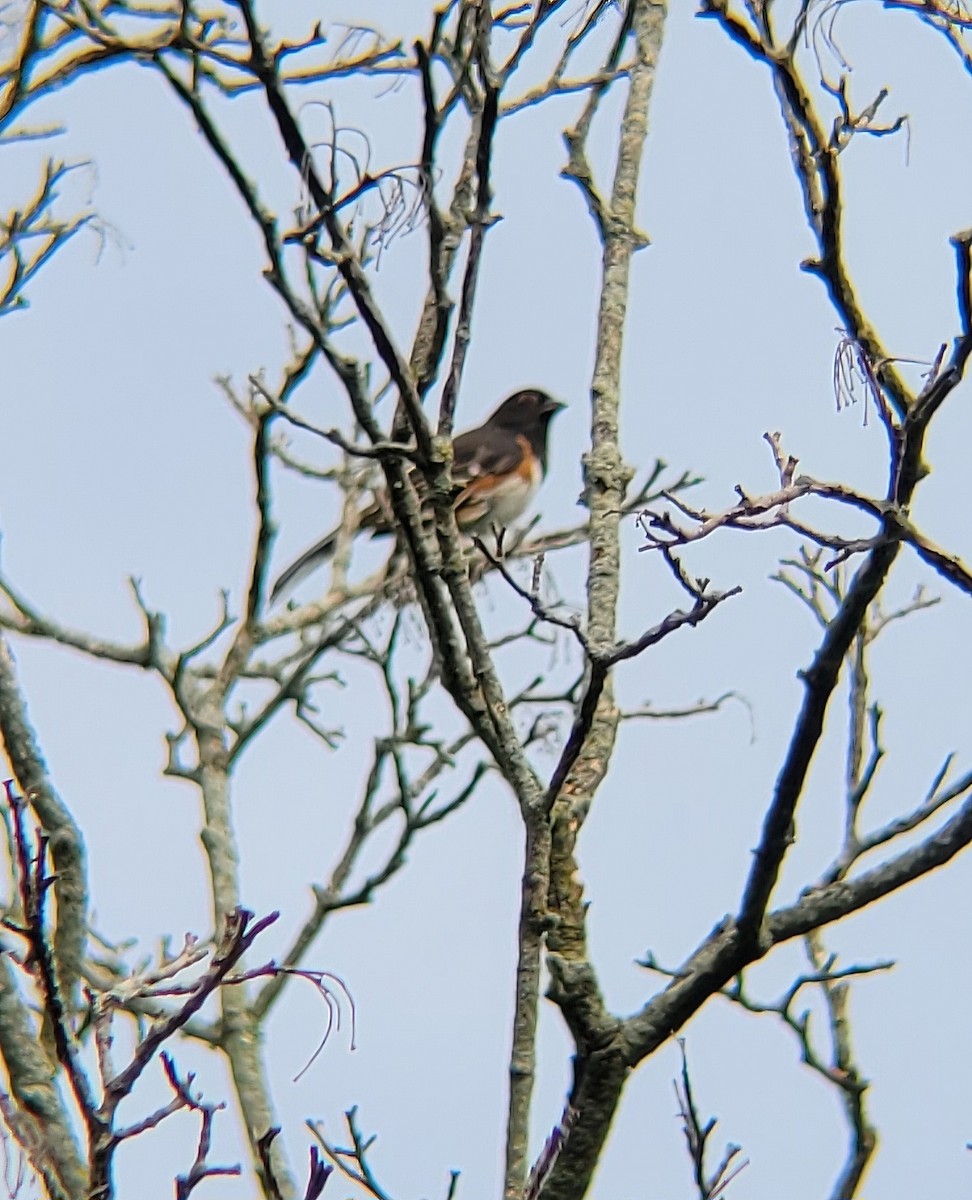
(497, 469)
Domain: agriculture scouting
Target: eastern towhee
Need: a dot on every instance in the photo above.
(497, 469)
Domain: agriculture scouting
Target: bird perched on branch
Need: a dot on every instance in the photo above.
(497, 469)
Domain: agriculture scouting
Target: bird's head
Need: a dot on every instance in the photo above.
(527, 409)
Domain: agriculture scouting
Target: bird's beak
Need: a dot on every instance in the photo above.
(554, 406)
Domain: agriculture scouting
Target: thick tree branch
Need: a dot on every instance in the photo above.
(598, 1070)
(64, 837)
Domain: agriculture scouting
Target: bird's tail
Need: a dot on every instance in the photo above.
(308, 562)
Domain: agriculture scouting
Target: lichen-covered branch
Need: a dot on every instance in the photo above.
(598, 1070)
(24, 754)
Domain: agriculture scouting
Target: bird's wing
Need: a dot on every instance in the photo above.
(496, 479)
(485, 451)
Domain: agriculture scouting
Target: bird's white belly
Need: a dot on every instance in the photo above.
(509, 500)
